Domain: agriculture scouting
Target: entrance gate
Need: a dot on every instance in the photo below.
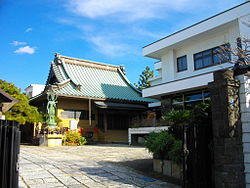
(197, 156)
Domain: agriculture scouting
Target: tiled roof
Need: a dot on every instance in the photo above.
(92, 79)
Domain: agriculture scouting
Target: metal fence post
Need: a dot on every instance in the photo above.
(9, 153)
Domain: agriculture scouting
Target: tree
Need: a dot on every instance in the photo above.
(21, 111)
(242, 51)
(144, 79)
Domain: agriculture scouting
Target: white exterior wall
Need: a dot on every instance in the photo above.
(169, 60)
(34, 89)
(244, 29)
(245, 119)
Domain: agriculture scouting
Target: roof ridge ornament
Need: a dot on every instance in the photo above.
(58, 58)
(123, 69)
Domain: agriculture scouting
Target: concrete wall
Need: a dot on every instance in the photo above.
(245, 119)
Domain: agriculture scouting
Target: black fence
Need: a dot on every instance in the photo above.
(9, 153)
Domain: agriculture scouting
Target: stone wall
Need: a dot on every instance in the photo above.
(228, 167)
(244, 94)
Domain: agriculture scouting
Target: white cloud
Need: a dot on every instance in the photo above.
(108, 47)
(28, 30)
(25, 50)
(139, 31)
(18, 43)
(126, 9)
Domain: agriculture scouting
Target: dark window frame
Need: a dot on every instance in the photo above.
(180, 63)
(212, 54)
(182, 101)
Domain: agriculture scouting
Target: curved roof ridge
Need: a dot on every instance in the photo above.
(70, 78)
(88, 63)
(127, 81)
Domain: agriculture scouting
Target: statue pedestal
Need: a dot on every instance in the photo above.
(54, 139)
(50, 140)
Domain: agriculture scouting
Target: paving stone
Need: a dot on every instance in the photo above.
(37, 175)
(47, 185)
(34, 181)
(78, 186)
(50, 180)
(67, 180)
(87, 166)
(94, 184)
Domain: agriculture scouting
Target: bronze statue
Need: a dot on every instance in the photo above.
(51, 109)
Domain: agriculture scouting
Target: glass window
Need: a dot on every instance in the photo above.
(206, 94)
(207, 61)
(207, 52)
(189, 100)
(198, 64)
(76, 114)
(68, 114)
(193, 97)
(198, 55)
(217, 58)
(210, 57)
(182, 63)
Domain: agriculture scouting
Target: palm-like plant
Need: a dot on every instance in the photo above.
(178, 117)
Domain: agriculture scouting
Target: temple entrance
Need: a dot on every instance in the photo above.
(198, 156)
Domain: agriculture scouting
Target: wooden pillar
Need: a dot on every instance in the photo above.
(105, 119)
(90, 123)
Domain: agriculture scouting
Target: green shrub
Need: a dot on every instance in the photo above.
(164, 145)
(176, 152)
(82, 141)
(178, 117)
(159, 143)
(73, 137)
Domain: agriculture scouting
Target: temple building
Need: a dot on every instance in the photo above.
(93, 96)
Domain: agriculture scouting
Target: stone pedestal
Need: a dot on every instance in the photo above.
(54, 140)
(50, 140)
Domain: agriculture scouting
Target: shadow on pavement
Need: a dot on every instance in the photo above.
(145, 167)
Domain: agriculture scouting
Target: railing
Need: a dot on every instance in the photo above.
(9, 153)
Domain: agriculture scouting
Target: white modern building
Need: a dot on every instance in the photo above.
(187, 59)
(34, 89)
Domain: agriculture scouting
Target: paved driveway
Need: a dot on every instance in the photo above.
(83, 166)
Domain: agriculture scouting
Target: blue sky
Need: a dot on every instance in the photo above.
(108, 31)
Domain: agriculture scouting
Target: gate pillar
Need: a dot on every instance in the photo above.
(228, 162)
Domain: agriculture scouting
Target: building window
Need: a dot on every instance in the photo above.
(76, 114)
(210, 57)
(187, 101)
(182, 63)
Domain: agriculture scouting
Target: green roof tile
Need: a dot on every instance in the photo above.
(96, 80)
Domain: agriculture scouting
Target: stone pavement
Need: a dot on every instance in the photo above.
(83, 166)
